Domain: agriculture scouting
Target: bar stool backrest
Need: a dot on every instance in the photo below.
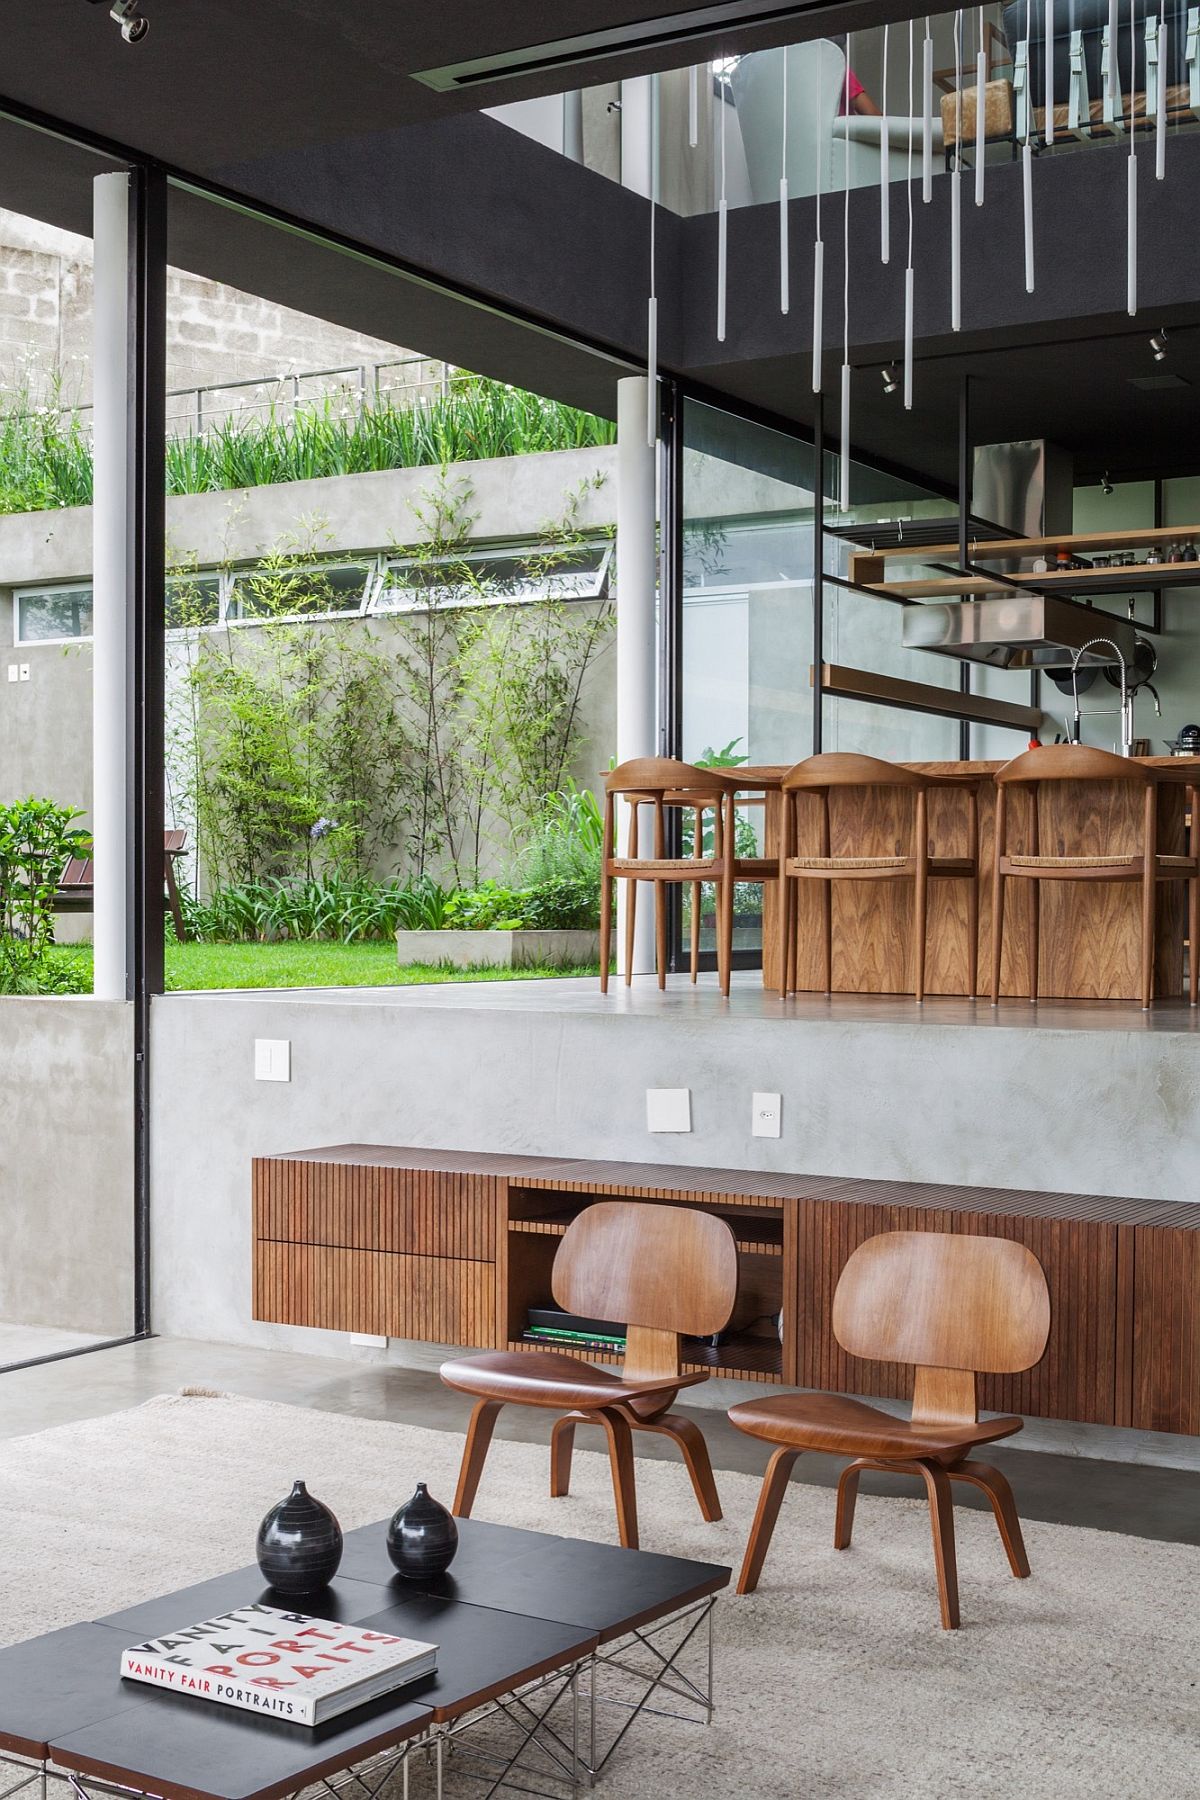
(1073, 762)
(655, 775)
(843, 768)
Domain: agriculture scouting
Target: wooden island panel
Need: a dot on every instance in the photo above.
(1090, 932)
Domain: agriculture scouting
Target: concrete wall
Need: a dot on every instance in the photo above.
(214, 333)
(66, 1164)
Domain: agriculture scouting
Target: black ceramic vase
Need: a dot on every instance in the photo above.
(299, 1544)
(422, 1538)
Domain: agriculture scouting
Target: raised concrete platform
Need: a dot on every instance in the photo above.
(1099, 1099)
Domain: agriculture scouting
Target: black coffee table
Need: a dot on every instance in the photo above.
(518, 1619)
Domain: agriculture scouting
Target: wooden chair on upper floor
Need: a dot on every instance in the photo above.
(662, 1272)
(681, 790)
(951, 1305)
(834, 770)
(1140, 862)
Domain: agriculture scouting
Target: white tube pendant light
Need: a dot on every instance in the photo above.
(783, 193)
(956, 184)
(1048, 60)
(693, 107)
(927, 115)
(844, 437)
(885, 173)
(818, 304)
(1160, 122)
(1131, 193)
(908, 270)
(981, 76)
(1027, 160)
(652, 304)
(722, 223)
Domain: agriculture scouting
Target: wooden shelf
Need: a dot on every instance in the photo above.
(754, 1235)
(865, 563)
(1134, 577)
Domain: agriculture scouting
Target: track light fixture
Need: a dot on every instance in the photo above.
(1106, 486)
(128, 15)
(1158, 343)
(891, 378)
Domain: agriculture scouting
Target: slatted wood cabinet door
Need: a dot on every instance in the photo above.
(363, 1243)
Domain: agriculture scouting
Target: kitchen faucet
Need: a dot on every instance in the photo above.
(1126, 708)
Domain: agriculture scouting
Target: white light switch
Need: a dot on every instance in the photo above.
(14, 671)
(272, 1059)
(668, 1109)
(766, 1113)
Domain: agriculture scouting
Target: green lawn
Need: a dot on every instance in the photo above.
(287, 965)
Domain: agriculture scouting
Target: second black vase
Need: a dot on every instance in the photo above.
(299, 1544)
(422, 1538)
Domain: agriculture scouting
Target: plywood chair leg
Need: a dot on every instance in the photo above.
(660, 932)
(694, 1449)
(847, 1498)
(770, 1499)
(697, 902)
(998, 849)
(620, 1456)
(630, 923)
(941, 1518)
(1193, 946)
(479, 1436)
(562, 1446)
(991, 1482)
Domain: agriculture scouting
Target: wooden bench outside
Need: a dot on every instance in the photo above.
(77, 883)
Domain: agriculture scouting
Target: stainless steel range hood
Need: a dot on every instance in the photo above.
(1018, 631)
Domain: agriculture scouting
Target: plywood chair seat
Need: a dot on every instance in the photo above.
(845, 1427)
(548, 1378)
(660, 1272)
(949, 1304)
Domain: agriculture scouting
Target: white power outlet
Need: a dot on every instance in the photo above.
(668, 1109)
(766, 1115)
(272, 1059)
(23, 672)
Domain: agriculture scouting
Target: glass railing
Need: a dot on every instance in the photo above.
(895, 100)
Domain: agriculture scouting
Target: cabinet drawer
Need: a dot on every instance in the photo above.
(447, 1300)
(370, 1206)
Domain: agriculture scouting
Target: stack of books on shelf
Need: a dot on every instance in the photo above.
(550, 1326)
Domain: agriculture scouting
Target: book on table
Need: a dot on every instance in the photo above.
(284, 1665)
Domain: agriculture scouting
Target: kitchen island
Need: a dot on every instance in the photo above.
(1089, 932)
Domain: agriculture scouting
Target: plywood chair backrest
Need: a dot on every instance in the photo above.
(1072, 762)
(653, 775)
(659, 1270)
(844, 768)
(950, 1303)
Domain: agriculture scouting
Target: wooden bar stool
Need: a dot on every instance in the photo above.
(839, 769)
(668, 786)
(950, 1304)
(1139, 862)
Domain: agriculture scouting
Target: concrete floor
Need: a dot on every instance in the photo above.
(23, 1343)
(1142, 1501)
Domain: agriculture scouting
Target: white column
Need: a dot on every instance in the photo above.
(112, 723)
(637, 624)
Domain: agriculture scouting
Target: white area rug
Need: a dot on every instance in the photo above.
(834, 1680)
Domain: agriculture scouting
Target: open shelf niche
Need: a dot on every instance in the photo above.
(538, 1218)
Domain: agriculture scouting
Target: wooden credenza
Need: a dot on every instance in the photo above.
(453, 1247)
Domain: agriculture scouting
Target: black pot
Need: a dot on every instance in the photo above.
(299, 1544)
(422, 1538)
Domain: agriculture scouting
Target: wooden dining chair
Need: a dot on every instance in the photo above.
(690, 794)
(820, 775)
(952, 1305)
(661, 1272)
(1139, 861)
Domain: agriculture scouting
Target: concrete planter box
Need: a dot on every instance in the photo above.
(498, 949)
